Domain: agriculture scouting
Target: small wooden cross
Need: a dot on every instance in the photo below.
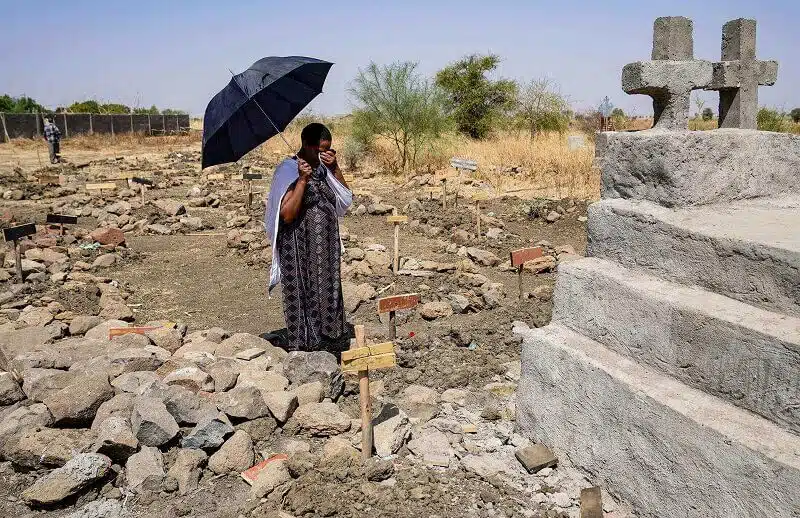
(107, 186)
(361, 359)
(520, 257)
(61, 220)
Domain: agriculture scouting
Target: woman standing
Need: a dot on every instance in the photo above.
(307, 196)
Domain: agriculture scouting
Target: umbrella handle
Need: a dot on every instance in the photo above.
(262, 111)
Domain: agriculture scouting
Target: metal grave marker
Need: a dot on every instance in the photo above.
(520, 257)
(61, 220)
(143, 184)
(14, 234)
(396, 303)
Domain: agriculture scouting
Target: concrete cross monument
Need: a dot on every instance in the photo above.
(672, 74)
(738, 75)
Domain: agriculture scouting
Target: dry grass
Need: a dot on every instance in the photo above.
(546, 165)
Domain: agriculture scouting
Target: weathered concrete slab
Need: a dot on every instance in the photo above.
(682, 168)
(749, 251)
(668, 449)
(745, 355)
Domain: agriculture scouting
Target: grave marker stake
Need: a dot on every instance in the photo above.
(396, 220)
(478, 218)
(61, 219)
(366, 402)
(392, 304)
(520, 257)
(14, 234)
(444, 193)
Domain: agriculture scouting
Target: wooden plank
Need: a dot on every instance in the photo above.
(397, 219)
(368, 350)
(20, 231)
(101, 186)
(480, 196)
(398, 302)
(216, 176)
(523, 255)
(62, 219)
(591, 503)
(370, 363)
(119, 331)
(349, 178)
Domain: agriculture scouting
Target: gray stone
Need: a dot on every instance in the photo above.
(77, 403)
(115, 439)
(482, 257)
(105, 261)
(166, 338)
(390, 430)
(10, 391)
(239, 342)
(420, 402)
(35, 317)
(193, 378)
(100, 331)
(171, 207)
(119, 405)
(281, 404)
(148, 358)
(152, 423)
(305, 367)
(147, 466)
(243, 402)
(355, 294)
(552, 216)
(186, 469)
(312, 392)
(103, 508)
(38, 384)
(322, 419)
(224, 373)
(135, 382)
(535, 457)
(236, 455)
(431, 445)
(183, 404)
(436, 309)
(81, 324)
(35, 447)
(15, 342)
(270, 478)
(677, 169)
(79, 473)
(209, 433)
(738, 75)
(265, 381)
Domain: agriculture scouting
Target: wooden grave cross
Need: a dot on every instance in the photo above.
(14, 234)
(249, 177)
(361, 359)
(143, 183)
(215, 176)
(461, 165)
(478, 197)
(61, 220)
(520, 257)
(395, 303)
(396, 219)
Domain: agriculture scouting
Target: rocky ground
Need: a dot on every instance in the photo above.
(163, 423)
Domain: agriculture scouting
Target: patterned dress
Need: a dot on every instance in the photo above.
(310, 253)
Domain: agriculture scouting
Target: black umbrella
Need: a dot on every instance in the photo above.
(258, 104)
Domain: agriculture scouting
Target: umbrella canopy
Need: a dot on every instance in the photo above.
(258, 104)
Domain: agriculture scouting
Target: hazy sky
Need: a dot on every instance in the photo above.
(176, 53)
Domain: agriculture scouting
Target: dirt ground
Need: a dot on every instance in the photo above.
(196, 278)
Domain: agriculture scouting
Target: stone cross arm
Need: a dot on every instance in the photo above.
(730, 74)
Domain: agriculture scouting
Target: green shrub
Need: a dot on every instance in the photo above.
(771, 120)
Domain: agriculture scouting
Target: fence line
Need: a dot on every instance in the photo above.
(30, 125)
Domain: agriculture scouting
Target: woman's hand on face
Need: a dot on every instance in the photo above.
(303, 168)
(329, 159)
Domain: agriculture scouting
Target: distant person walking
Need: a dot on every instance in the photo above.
(53, 137)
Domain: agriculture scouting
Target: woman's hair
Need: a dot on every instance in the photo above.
(315, 133)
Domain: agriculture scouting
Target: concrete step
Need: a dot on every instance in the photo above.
(669, 449)
(748, 250)
(746, 355)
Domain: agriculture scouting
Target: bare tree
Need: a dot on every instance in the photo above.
(541, 106)
(699, 103)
